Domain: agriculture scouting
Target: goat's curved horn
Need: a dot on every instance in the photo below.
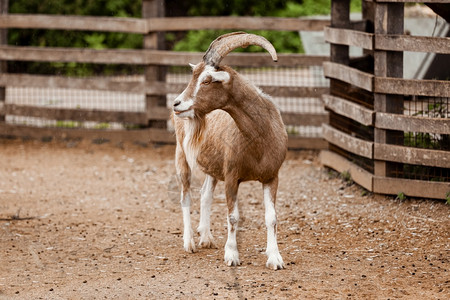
(226, 43)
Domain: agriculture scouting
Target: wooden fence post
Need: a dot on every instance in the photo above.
(3, 64)
(340, 18)
(154, 41)
(389, 19)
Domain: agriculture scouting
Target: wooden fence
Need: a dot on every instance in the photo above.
(154, 59)
(371, 133)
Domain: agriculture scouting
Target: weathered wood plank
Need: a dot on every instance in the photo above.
(398, 86)
(349, 109)
(232, 22)
(151, 24)
(294, 91)
(349, 37)
(349, 75)
(79, 55)
(411, 188)
(412, 43)
(295, 142)
(412, 123)
(96, 83)
(347, 142)
(150, 135)
(97, 23)
(414, 156)
(304, 119)
(152, 88)
(340, 164)
(154, 57)
(78, 114)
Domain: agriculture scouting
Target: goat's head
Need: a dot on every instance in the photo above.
(209, 88)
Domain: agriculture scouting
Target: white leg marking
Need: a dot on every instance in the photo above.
(188, 234)
(231, 252)
(274, 260)
(204, 227)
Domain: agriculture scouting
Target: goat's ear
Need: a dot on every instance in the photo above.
(192, 66)
(220, 76)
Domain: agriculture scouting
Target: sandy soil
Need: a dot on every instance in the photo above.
(86, 221)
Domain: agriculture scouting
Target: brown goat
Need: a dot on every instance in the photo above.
(234, 133)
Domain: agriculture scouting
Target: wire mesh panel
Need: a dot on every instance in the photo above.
(74, 99)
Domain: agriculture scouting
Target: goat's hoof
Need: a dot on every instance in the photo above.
(233, 263)
(207, 244)
(189, 246)
(275, 262)
(207, 241)
(232, 259)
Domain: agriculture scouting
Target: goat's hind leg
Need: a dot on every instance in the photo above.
(274, 260)
(184, 176)
(204, 228)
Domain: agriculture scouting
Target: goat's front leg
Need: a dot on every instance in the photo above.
(231, 256)
(204, 228)
(184, 175)
(274, 260)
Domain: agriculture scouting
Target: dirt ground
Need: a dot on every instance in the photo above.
(88, 221)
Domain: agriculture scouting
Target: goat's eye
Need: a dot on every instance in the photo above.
(206, 81)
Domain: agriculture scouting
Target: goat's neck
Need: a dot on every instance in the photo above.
(252, 115)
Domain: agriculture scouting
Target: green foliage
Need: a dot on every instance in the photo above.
(102, 125)
(79, 39)
(401, 196)
(68, 124)
(447, 198)
(347, 177)
(284, 41)
(198, 41)
(421, 140)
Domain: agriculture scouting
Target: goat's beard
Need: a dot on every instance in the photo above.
(194, 134)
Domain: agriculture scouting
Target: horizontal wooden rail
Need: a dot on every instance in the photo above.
(295, 91)
(247, 23)
(413, 43)
(100, 83)
(153, 57)
(385, 185)
(149, 135)
(349, 37)
(158, 113)
(411, 188)
(398, 86)
(348, 74)
(349, 109)
(340, 164)
(143, 26)
(304, 119)
(412, 123)
(90, 23)
(79, 55)
(414, 156)
(347, 142)
(298, 142)
(77, 114)
(139, 87)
